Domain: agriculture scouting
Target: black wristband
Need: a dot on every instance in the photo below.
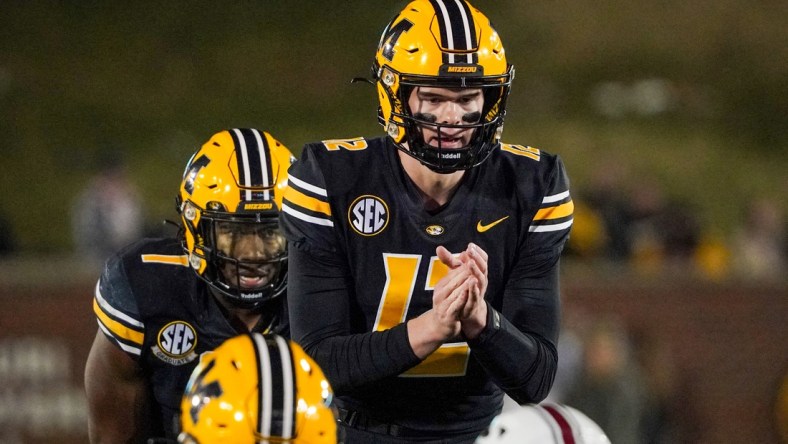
(493, 325)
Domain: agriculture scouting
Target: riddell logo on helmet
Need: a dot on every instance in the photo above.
(462, 69)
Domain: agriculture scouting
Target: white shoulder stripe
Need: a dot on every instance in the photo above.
(555, 197)
(109, 309)
(545, 228)
(307, 186)
(305, 217)
(124, 347)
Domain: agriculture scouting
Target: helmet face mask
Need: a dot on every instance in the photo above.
(425, 48)
(248, 259)
(229, 203)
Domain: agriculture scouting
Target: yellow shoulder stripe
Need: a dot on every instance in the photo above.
(557, 212)
(117, 329)
(166, 259)
(307, 202)
(520, 150)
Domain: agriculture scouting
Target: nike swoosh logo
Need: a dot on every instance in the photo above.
(482, 228)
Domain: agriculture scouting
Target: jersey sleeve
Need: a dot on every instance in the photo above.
(518, 345)
(306, 216)
(320, 286)
(116, 308)
(550, 226)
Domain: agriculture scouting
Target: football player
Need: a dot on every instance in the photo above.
(161, 303)
(257, 389)
(424, 264)
(545, 423)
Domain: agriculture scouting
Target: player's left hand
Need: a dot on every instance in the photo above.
(474, 315)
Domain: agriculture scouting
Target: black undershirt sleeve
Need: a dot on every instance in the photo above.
(517, 348)
(320, 322)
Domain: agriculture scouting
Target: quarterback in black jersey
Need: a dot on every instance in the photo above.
(424, 264)
(161, 304)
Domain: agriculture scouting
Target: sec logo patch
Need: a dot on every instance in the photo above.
(176, 343)
(368, 215)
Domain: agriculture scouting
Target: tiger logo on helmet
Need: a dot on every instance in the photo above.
(545, 423)
(443, 44)
(256, 389)
(229, 202)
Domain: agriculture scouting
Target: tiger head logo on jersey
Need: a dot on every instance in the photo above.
(229, 203)
(441, 44)
(254, 389)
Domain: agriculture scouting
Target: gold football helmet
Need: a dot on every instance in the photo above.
(441, 44)
(229, 203)
(256, 388)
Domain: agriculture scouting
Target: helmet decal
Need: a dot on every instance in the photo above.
(210, 390)
(191, 172)
(277, 394)
(390, 37)
(457, 31)
(254, 169)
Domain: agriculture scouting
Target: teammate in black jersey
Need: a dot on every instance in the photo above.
(162, 303)
(424, 264)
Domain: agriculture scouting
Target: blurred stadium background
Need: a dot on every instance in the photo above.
(685, 101)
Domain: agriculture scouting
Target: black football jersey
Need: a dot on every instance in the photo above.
(356, 220)
(150, 303)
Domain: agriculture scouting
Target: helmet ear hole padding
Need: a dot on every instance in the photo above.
(189, 211)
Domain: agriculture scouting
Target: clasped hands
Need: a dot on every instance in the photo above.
(458, 304)
(458, 299)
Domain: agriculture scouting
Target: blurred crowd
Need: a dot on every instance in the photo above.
(619, 221)
(633, 222)
(108, 213)
(624, 380)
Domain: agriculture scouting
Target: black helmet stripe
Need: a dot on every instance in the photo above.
(254, 168)
(288, 388)
(458, 31)
(276, 387)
